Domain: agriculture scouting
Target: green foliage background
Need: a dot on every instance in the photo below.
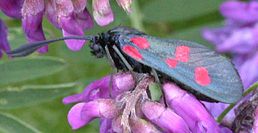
(31, 89)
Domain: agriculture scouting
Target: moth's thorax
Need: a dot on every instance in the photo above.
(108, 39)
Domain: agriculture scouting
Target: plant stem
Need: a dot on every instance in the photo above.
(136, 17)
(231, 106)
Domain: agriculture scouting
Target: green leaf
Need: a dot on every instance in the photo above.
(13, 97)
(22, 69)
(178, 10)
(155, 91)
(10, 124)
(16, 37)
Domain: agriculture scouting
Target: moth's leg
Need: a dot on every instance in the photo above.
(111, 61)
(155, 74)
(129, 67)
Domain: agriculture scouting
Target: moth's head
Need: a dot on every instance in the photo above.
(97, 46)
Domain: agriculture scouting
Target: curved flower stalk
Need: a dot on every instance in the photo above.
(127, 107)
(4, 45)
(239, 38)
(70, 16)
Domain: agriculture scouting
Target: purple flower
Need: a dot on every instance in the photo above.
(182, 102)
(164, 117)
(239, 38)
(127, 107)
(70, 16)
(12, 8)
(240, 11)
(32, 15)
(4, 45)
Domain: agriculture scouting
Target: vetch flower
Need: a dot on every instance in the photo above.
(12, 8)
(100, 88)
(4, 45)
(102, 12)
(32, 15)
(239, 38)
(182, 102)
(164, 117)
(123, 105)
(70, 16)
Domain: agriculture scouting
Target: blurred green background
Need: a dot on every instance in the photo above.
(31, 89)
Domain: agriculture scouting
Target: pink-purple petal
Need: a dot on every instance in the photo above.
(102, 12)
(73, 99)
(74, 116)
(103, 108)
(190, 109)
(240, 41)
(79, 5)
(74, 45)
(121, 82)
(217, 108)
(105, 126)
(51, 13)
(82, 113)
(32, 13)
(32, 26)
(163, 117)
(240, 11)
(143, 126)
(74, 25)
(249, 70)
(12, 8)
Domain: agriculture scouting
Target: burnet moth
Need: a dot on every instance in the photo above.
(199, 70)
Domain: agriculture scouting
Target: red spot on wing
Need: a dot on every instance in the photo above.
(202, 76)
(132, 51)
(171, 62)
(182, 53)
(141, 42)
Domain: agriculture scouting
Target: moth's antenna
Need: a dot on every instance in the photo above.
(27, 49)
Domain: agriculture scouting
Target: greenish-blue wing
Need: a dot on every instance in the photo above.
(189, 63)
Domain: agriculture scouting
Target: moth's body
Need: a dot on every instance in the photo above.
(157, 54)
(194, 67)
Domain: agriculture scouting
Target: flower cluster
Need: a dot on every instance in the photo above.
(239, 38)
(70, 16)
(128, 107)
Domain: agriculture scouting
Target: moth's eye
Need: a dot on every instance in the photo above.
(96, 47)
